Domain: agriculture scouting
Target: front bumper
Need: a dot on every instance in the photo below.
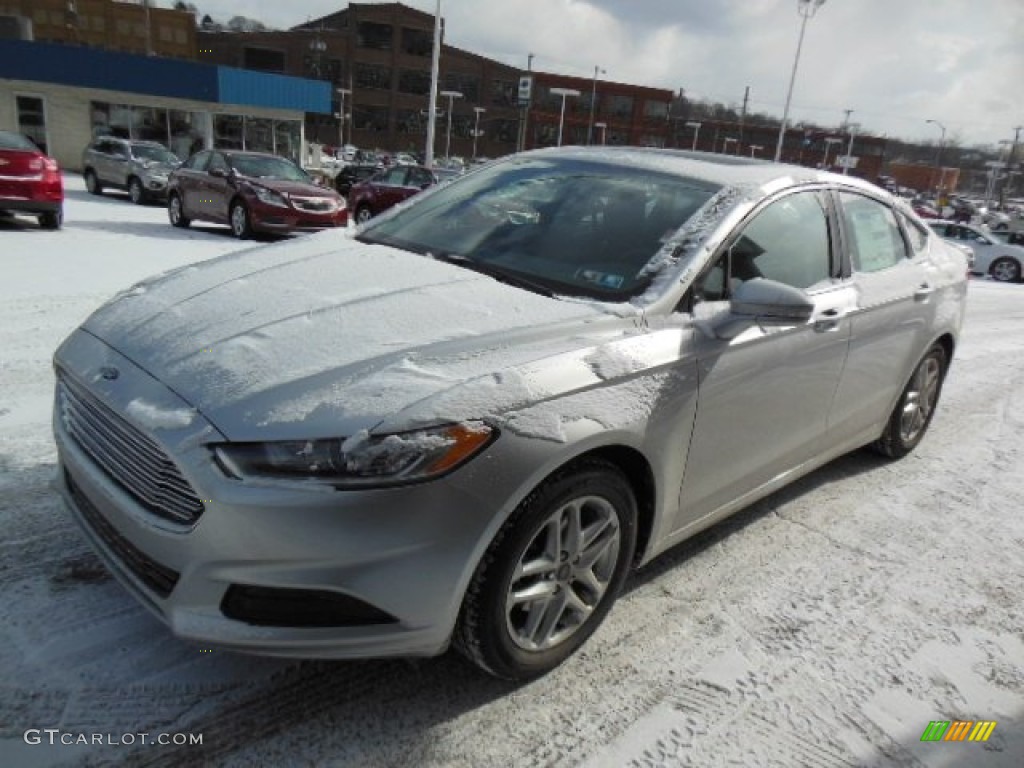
(396, 559)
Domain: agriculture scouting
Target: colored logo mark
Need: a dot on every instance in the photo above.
(958, 730)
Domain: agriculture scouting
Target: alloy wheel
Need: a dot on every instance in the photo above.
(920, 399)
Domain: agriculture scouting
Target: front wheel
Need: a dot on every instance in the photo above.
(913, 412)
(1005, 270)
(241, 226)
(135, 191)
(176, 211)
(92, 183)
(552, 573)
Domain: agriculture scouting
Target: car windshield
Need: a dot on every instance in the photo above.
(154, 152)
(10, 140)
(267, 168)
(577, 228)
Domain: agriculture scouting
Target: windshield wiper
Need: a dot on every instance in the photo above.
(500, 274)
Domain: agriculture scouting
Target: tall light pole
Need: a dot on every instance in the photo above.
(829, 141)
(435, 68)
(938, 152)
(451, 96)
(852, 128)
(593, 102)
(603, 127)
(476, 127)
(342, 93)
(696, 130)
(564, 93)
(806, 9)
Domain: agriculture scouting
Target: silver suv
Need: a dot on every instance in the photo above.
(140, 167)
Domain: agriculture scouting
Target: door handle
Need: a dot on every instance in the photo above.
(828, 321)
(923, 292)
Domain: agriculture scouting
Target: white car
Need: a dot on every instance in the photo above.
(992, 255)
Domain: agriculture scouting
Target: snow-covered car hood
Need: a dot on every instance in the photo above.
(325, 336)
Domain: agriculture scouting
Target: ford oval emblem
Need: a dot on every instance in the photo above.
(109, 372)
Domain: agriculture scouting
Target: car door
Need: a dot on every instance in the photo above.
(895, 309)
(190, 185)
(765, 394)
(218, 188)
(117, 164)
(417, 180)
(102, 160)
(391, 188)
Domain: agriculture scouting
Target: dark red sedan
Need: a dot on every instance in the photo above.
(390, 187)
(30, 181)
(251, 192)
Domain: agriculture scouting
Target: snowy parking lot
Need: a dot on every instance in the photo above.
(827, 625)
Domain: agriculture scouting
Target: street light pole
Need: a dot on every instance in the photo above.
(696, 130)
(593, 101)
(451, 96)
(603, 127)
(938, 152)
(435, 68)
(829, 141)
(564, 93)
(806, 9)
(342, 93)
(852, 128)
(755, 148)
(476, 127)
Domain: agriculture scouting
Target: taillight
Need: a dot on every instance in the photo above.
(50, 164)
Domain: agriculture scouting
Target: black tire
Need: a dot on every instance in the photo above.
(238, 219)
(909, 420)
(363, 214)
(136, 192)
(52, 219)
(490, 630)
(1005, 270)
(92, 182)
(176, 211)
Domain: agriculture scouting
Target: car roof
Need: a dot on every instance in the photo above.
(725, 170)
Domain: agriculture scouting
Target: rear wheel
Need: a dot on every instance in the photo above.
(1005, 270)
(913, 413)
(241, 226)
(176, 211)
(363, 214)
(135, 191)
(92, 182)
(552, 573)
(51, 219)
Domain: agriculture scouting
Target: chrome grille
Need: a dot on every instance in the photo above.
(130, 458)
(315, 204)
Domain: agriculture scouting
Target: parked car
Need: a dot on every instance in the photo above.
(251, 192)
(994, 219)
(992, 256)
(30, 181)
(139, 167)
(1011, 238)
(925, 211)
(393, 185)
(467, 424)
(352, 174)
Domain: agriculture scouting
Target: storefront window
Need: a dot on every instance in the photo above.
(186, 133)
(288, 138)
(149, 124)
(227, 131)
(259, 134)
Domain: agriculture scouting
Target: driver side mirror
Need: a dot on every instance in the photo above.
(218, 173)
(762, 300)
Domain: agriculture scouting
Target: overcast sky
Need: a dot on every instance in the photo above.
(895, 63)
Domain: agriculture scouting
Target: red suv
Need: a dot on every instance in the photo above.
(251, 192)
(30, 181)
(389, 187)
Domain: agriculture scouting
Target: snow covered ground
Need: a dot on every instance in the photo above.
(825, 626)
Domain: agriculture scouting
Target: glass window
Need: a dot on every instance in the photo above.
(186, 133)
(149, 124)
(619, 105)
(372, 119)
(218, 163)
(198, 161)
(504, 93)
(419, 177)
(466, 84)
(410, 121)
(32, 119)
(414, 81)
(227, 131)
(916, 234)
(656, 109)
(259, 134)
(417, 42)
(288, 139)
(262, 59)
(257, 166)
(369, 34)
(873, 236)
(787, 242)
(372, 76)
(394, 176)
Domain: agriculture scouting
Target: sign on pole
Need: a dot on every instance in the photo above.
(525, 89)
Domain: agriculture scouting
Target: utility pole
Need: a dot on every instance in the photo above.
(435, 67)
(526, 109)
(743, 118)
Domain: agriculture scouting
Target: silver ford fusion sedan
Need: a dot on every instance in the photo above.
(469, 421)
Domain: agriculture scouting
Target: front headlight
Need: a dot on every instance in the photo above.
(270, 197)
(361, 460)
